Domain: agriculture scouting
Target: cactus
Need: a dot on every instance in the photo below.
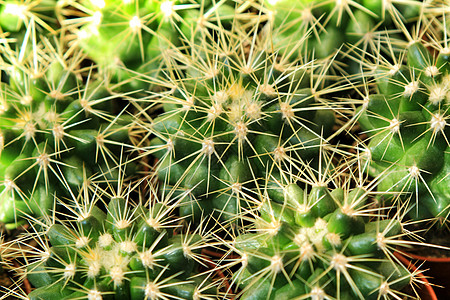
(131, 251)
(229, 116)
(56, 121)
(22, 18)
(319, 243)
(406, 121)
(339, 27)
(235, 111)
(128, 39)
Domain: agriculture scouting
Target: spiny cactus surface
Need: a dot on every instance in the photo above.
(128, 39)
(407, 121)
(338, 27)
(128, 252)
(318, 244)
(234, 113)
(58, 121)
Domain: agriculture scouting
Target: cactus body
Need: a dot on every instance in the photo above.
(59, 126)
(339, 253)
(407, 124)
(232, 118)
(127, 252)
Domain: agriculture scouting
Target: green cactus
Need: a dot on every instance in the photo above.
(338, 27)
(407, 123)
(131, 251)
(128, 39)
(319, 243)
(55, 120)
(238, 113)
(229, 117)
(22, 18)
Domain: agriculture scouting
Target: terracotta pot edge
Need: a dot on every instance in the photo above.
(427, 287)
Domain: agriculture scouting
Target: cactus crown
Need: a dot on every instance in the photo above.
(134, 250)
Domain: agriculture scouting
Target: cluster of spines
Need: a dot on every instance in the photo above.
(237, 187)
(52, 125)
(138, 249)
(317, 243)
(406, 120)
(338, 27)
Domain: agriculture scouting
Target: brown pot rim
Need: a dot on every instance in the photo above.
(427, 287)
(428, 258)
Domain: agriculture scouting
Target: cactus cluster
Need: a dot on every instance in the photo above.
(406, 119)
(131, 251)
(318, 243)
(338, 27)
(234, 114)
(209, 149)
